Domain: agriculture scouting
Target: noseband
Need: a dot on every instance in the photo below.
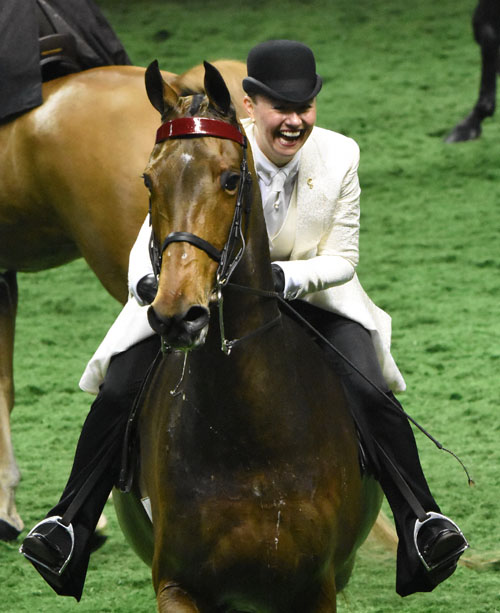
(193, 127)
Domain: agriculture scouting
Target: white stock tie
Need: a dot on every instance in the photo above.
(274, 206)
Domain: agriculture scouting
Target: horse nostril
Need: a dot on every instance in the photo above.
(196, 318)
(160, 326)
(181, 330)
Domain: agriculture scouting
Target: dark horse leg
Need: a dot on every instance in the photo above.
(486, 26)
(10, 522)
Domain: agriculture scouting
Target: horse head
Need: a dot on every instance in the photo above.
(197, 178)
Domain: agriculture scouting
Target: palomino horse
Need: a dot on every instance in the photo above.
(249, 454)
(486, 27)
(70, 187)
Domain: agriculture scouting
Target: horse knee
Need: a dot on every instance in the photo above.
(172, 599)
(327, 601)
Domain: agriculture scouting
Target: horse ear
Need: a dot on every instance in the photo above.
(216, 89)
(160, 94)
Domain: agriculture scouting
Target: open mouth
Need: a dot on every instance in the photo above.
(290, 136)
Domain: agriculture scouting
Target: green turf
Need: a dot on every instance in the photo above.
(396, 79)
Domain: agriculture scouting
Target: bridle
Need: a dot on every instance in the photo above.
(228, 257)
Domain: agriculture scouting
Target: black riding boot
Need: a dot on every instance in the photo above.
(49, 545)
(389, 443)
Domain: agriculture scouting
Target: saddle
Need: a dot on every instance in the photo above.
(63, 49)
(41, 40)
(58, 50)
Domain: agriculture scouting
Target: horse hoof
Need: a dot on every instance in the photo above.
(463, 133)
(8, 532)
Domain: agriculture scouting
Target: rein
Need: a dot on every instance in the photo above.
(395, 405)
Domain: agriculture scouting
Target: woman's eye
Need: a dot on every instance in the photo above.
(230, 181)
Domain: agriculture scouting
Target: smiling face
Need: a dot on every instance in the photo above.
(281, 128)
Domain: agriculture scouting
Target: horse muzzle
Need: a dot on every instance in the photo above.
(181, 331)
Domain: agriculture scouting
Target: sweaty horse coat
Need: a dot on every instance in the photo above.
(327, 196)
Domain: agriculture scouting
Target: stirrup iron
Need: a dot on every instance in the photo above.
(55, 519)
(419, 524)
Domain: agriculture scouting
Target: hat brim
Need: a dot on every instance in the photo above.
(253, 86)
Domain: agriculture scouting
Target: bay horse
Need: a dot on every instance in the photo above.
(59, 201)
(486, 28)
(248, 451)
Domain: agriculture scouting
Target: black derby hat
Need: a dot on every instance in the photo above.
(282, 70)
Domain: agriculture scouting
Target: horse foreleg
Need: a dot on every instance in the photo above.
(327, 602)
(172, 599)
(486, 26)
(10, 522)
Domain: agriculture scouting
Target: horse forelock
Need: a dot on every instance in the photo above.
(198, 105)
(196, 102)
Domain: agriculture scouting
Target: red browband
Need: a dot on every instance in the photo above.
(199, 126)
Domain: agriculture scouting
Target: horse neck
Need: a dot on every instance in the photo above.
(238, 403)
(247, 311)
(230, 396)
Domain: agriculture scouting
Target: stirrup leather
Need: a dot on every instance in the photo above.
(34, 531)
(420, 524)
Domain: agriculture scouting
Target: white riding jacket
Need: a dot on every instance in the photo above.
(317, 248)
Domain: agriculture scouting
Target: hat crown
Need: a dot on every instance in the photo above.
(284, 70)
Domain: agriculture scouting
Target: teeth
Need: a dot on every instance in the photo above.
(290, 134)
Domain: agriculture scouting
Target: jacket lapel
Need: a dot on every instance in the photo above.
(311, 202)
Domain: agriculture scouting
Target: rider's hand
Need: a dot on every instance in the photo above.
(147, 288)
(278, 278)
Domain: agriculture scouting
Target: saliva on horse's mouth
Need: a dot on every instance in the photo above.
(184, 340)
(191, 343)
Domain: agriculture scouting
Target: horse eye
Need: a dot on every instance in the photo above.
(229, 181)
(147, 181)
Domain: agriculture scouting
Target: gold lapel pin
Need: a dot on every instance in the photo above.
(310, 183)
